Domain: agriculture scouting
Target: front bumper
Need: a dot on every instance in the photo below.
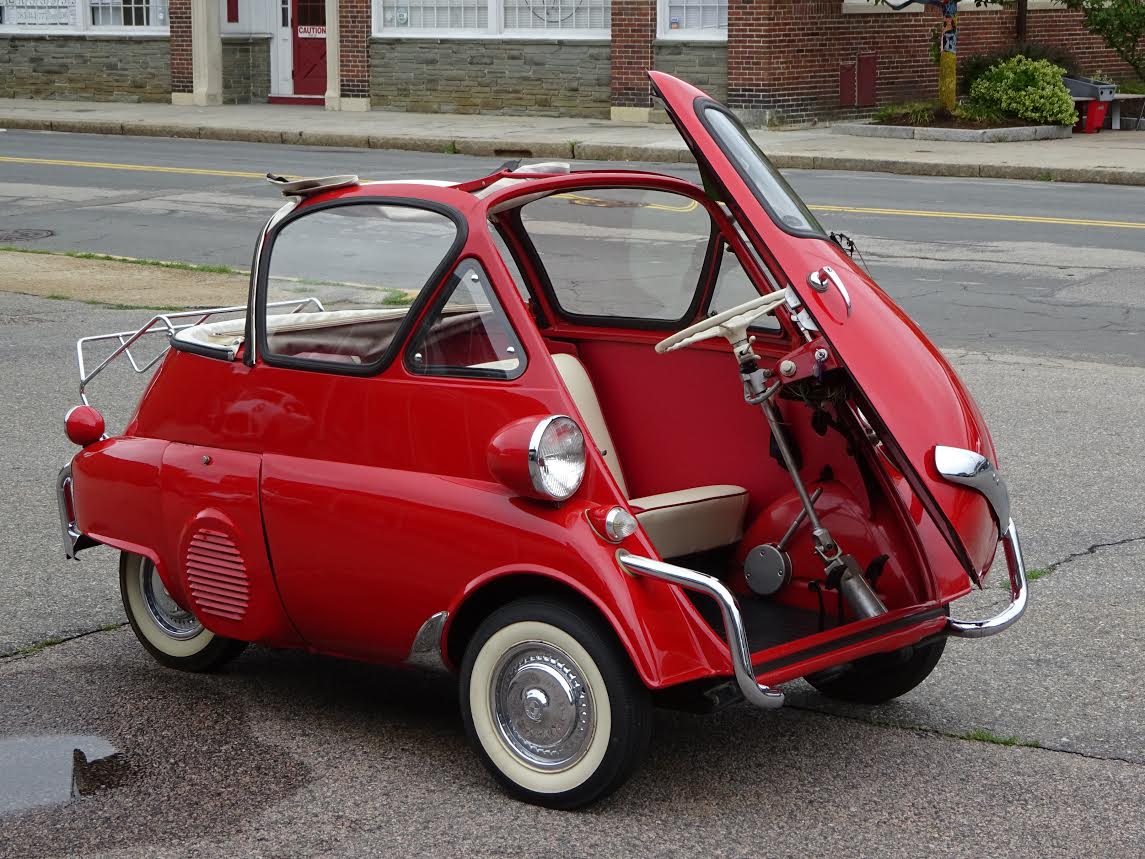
(736, 631)
(1019, 593)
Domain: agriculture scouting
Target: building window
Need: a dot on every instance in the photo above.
(38, 13)
(694, 19)
(493, 17)
(82, 14)
(128, 13)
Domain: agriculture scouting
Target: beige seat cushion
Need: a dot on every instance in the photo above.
(692, 520)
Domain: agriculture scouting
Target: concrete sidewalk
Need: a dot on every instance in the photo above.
(1111, 157)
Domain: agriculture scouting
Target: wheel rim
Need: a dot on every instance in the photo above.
(174, 621)
(542, 707)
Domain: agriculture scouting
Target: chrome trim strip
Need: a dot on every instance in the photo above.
(68, 530)
(755, 693)
(425, 652)
(977, 472)
(1019, 593)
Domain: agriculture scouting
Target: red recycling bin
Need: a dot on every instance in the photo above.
(1091, 114)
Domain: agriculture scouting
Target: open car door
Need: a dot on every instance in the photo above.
(929, 424)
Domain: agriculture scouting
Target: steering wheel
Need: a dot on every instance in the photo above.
(731, 324)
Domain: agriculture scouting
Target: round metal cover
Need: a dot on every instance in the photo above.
(24, 235)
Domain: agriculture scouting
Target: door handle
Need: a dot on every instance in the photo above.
(824, 277)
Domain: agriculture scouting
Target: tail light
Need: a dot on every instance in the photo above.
(84, 425)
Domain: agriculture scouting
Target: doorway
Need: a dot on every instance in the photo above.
(299, 56)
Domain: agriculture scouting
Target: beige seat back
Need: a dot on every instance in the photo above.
(584, 395)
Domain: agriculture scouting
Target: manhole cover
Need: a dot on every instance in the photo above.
(24, 235)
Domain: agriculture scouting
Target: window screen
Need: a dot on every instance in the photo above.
(341, 280)
(626, 253)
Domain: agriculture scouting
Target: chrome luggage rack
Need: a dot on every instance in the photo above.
(169, 324)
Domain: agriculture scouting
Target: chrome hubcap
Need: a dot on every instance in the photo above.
(168, 616)
(541, 706)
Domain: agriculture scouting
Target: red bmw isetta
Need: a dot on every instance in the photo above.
(500, 427)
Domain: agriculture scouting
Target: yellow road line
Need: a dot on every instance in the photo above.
(982, 216)
(140, 168)
(855, 210)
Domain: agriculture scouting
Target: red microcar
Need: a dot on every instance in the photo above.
(593, 441)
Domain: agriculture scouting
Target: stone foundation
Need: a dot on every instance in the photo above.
(82, 68)
(246, 69)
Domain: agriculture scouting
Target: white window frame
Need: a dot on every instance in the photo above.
(664, 31)
(81, 25)
(495, 31)
(866, 7)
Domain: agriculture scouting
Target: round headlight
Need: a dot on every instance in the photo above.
(556, 457)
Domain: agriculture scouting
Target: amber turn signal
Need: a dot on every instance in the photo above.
(84, 425)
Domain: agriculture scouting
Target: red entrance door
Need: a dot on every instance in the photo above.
(309, 46)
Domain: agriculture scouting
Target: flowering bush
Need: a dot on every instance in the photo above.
(1029, 89)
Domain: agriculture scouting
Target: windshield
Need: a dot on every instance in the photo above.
(770, 188)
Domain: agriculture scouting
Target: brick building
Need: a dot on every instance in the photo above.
(786, 60)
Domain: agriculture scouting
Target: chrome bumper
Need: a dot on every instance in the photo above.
(1019, 593)
(70, 533)
(755, 693)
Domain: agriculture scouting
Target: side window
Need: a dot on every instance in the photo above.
(466, 333)
(625, 253)
(510, 263)
(341, 281)
(733, 287)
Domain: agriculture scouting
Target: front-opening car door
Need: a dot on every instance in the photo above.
(913, 397)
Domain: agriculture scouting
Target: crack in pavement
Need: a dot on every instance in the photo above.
(47, 643)
(1018, 743)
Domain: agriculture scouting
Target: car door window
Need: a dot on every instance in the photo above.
(621, 253)
(359, 268)
(734, 288)
(466, 333)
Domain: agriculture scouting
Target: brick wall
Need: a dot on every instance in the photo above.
(784, 55)
(98, 68)
(182, 73)
(633, 32)
(246, 69)
(542, 78)
(702, 64)
(354, 25)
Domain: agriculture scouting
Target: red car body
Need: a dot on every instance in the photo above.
(341, 512)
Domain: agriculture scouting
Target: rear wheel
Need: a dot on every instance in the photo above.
(879, 678)
(552, 703)
(171, 634)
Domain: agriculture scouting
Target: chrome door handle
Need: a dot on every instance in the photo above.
(821, 279)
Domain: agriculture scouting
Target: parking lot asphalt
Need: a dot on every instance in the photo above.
(1029, 744)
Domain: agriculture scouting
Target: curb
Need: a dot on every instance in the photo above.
(582, 151)
(1013, 134)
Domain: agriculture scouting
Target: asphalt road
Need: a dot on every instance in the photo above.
(292, 755)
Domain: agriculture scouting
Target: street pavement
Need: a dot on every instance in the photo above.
(1029, 744)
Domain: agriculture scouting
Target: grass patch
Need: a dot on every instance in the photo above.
(1037, 573)
(924, 114)
(179, 266)
(981, 735)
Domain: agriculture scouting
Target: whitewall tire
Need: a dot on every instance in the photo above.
(552, 703)
(172, 635)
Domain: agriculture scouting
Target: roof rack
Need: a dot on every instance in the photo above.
(163, 323)
(307, 187)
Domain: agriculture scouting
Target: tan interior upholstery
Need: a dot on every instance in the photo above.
(678, 523)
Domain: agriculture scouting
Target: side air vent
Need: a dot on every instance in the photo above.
(217, 575)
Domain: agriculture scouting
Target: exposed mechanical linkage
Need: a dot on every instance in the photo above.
(767, 568)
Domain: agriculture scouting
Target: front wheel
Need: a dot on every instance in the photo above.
(171, 634)
(879, 678)
(552, 703)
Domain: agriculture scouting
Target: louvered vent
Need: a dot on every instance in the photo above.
(217, 575)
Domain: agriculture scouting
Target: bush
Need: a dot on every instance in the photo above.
(972, 68)
(1029, 89)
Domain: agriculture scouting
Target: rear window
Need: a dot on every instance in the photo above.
(769, 187)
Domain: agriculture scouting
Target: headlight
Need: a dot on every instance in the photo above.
(556, 457)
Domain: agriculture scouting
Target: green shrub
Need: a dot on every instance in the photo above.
(909, 113)
(971, 68)
(1029, 89)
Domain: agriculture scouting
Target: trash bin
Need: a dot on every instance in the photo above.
(1090, 116)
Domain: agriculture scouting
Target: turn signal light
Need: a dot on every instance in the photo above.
(612, 523)
(84, 425)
